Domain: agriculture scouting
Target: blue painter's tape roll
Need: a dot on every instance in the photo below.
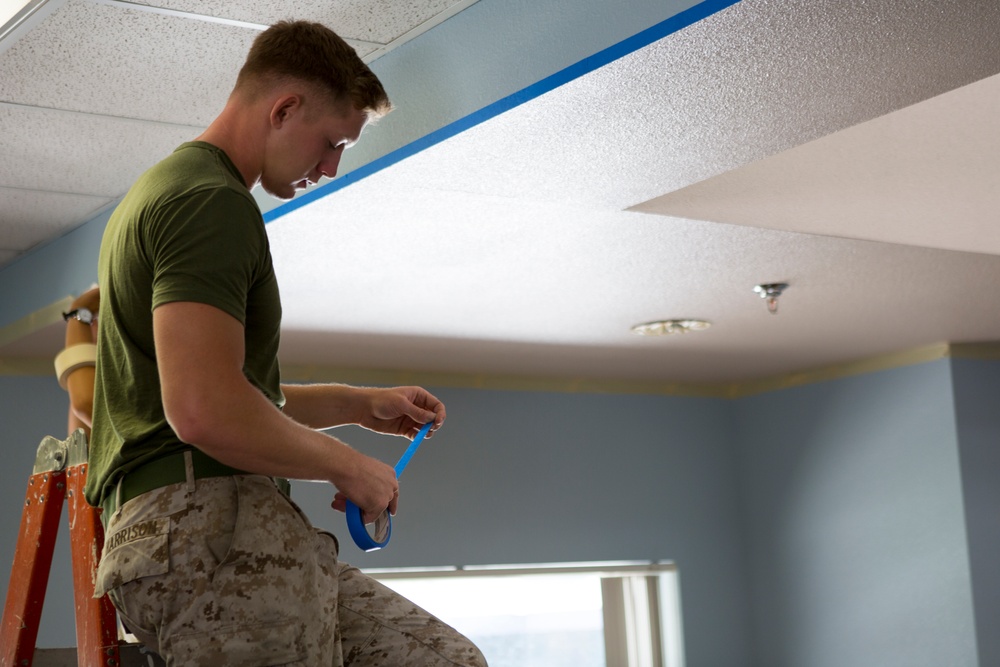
(383, 524)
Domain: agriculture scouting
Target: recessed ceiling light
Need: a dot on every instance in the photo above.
(667, 327)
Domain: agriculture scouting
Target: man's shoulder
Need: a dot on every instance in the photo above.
(195, 183)
(191, 168)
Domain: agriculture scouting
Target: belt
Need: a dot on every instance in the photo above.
(170, 469)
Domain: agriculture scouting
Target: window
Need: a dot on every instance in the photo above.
(566, 615)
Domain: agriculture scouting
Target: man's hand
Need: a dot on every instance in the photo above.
(394, 411)
(372, 486)
(401, 411)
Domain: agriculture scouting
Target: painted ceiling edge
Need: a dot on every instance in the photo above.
(32, 322)
(984, 351)
(589, 64)
(726, 390)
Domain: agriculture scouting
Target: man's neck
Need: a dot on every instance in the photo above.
(236, 131)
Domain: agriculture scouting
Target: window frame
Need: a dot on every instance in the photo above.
(640, 600)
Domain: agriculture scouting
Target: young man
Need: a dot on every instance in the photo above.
(206, 560)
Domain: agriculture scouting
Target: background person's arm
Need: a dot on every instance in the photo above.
(80, 382)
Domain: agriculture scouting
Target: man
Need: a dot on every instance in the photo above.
(206, 560)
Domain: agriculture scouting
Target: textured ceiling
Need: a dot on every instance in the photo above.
(847, 148)
(926, 175)
(516, 250)
(92, 72)
(375, 22)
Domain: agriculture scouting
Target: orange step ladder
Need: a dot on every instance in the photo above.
(59, 475)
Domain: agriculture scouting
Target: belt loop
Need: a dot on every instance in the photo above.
(118, 496)
(189, 469)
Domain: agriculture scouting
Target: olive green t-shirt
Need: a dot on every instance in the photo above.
(188, 230)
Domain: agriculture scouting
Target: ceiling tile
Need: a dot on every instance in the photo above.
(124, 62)
(750, 81)
(379, 21)
(78, 153)
(29, 217)
(926, 175)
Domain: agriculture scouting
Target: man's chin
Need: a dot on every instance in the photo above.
(284, 194)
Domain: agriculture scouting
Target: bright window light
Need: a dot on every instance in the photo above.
(526, 620)
(555, 616)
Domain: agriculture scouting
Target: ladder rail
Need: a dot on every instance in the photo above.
(59, 476)
(96, 619)
(36, 540)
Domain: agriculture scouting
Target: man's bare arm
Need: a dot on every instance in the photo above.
(210, 404)
(393, 410)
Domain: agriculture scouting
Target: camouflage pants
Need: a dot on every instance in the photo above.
(228, 571)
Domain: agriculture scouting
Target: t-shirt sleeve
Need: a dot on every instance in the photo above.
(207, 248)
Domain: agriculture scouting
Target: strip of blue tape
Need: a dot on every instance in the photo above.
(623, 48)
(356, 523)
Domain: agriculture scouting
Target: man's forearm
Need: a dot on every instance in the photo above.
(322, 406)
(242, 428)
(239, 426)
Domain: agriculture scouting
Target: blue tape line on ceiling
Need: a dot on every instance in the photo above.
(623, 48)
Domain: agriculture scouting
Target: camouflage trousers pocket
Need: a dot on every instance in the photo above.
(133, 552)
(264, 645)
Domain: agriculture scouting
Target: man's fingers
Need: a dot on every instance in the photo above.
(340, 504)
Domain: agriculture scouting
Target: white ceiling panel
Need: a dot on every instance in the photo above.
(751, 81)
(80, 153)
(379, 21)
(29, 217)
(905, 177)
(135, 64)
(407, 266)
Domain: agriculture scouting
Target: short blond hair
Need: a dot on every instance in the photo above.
(313, 54)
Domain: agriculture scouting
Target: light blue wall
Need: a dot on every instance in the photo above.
(854, 513)
(30, 409)
(531, 477)
(977, 406)
(66, 266)
(820, 525)
(514, 477)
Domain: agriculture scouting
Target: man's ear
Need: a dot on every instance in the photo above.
(284, 108)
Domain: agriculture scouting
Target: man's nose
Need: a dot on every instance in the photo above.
(328, 167)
